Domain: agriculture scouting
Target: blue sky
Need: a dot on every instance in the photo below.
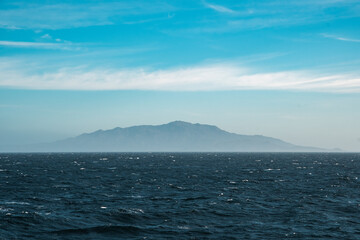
(286, 69)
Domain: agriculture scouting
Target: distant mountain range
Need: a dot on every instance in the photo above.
(175, 136)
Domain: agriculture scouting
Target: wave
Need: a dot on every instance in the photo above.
(101, 230)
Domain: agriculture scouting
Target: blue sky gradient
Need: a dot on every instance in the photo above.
(286, 69)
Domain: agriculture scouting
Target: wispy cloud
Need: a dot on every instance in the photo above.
(255, 23)
(321, 2)
(340, 38)
(219, 8)
(90, 13)
(80, 14)
(169, 16)
(254, 15)
(46, 36)
(211, 77)
(10, 27)
(62, 46)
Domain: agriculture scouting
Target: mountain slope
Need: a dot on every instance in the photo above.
(176, 136)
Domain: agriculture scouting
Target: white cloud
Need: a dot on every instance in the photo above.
(250, 15)
(46, 36)
(169, 16)
(10, 27)
(340, 38)
(62, 46)
(219, 8)
(197, 78)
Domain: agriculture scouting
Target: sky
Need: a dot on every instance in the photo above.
(285, 69)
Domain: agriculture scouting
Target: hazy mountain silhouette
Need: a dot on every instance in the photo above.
(175, 136)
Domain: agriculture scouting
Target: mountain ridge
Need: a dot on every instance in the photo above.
(176, 136)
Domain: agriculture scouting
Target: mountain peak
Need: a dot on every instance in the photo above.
(188, 124)
(179, 123)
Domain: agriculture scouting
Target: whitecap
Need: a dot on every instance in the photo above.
(135, 211)
(183, 227)
(17, 203)
(5, 209)
(136, 196)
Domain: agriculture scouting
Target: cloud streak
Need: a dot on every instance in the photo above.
(340, 38)
(196, 78)
(83, 14)
(62, 46)
(257, 14)
(219, 8)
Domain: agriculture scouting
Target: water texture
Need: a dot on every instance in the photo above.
(180, 196)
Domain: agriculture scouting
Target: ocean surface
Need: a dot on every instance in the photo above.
(180, 196)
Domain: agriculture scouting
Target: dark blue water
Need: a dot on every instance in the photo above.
(180, 196)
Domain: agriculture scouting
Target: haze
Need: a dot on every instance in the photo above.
(284, 69)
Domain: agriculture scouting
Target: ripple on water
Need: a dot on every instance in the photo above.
(199, 196)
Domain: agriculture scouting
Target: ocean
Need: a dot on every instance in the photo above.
(180, 196)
